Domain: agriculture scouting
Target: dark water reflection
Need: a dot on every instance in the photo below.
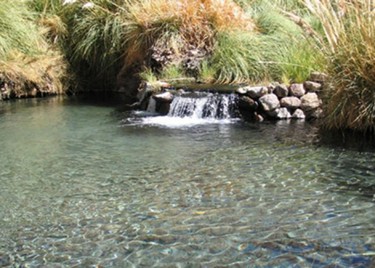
(81, 187)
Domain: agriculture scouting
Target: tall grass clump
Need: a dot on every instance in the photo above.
(27, 64)
(349, 44)
(284, 52)
(179, 33)
(18, 32)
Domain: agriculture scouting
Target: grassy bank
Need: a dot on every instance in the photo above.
(113, 44)
(348, 42)
(213, 41)
(29, 64)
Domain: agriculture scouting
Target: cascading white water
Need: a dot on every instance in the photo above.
(202, 108)
(210, 106)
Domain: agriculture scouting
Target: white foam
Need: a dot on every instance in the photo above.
(178, 122)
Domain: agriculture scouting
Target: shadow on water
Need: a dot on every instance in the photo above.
(349, 140)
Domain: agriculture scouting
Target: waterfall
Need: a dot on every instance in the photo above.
(197, 109)
(208, 106)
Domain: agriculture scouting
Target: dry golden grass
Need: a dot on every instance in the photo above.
(28, 76)
(195, 21)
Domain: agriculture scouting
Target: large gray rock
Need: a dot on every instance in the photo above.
(164, 97)
(297, 90)
(269, 102)
(311, 86)
(281, 91)
(298, 114)
(257, 92)
(290, 102)
(247, 103)
(310, 101)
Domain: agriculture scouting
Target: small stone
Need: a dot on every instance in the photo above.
(311, 86)
(257, 92)
(297, 90)
(318, 77)
(298, 114)
(164, 97)
(283, 113)
(310, 101)
(290, 102)
(269, 102)
(260, 118)
(241, 90)
(247, 103)
(281, 91)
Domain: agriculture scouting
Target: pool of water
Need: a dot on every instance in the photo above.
(84, 184)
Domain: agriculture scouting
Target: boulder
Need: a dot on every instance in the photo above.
(290, 102)
(269, 102)
(311, 86)
(164, 97)
(257, 92)
(310, 101)
(298, 114)
(247, 103)
(297, 90)
(281, 91)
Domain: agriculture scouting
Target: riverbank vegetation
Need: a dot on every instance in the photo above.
(29, 65)
(113, 44)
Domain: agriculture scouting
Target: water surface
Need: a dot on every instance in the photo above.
(86, 185)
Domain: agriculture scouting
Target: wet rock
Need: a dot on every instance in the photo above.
(269, 102)
(257, 92)
(166, 97)
(242, 90)
(283, 113)
(310, 101)
(311, 86)
(318, 77)
(298, 114)
(281, 91)
(297, 90)
(290, 102)
(247, 103)
(259, 118)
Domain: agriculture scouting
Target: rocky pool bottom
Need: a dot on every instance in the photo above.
(84, 184)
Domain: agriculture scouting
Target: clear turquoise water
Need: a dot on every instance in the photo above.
(86, 185)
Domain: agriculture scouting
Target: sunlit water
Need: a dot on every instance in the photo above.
(86, 185)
